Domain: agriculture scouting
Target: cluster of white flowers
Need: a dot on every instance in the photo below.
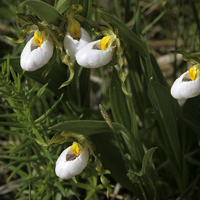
(39, 50)
(90, 54)
(187, 85)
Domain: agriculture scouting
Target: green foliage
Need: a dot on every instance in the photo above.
(46, 12)
(124, 114)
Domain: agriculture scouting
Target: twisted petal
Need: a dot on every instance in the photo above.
(184, 88)
(67, 169)
(72, 45)
(32, 60)
(91, 57)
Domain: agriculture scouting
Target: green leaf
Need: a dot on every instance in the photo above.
(90, 127)
(79, 94)
(130, 37)
(17, 170)
(45, 115)
(124, 113)
(90, 194)
(60, 187)
(38, 95)
(149, 26)
(146, 162)
(56, 139)
(45, 11)
(62, 5)
(194, 58)
(22, 146)
(8, 115)
(15, 124)
(109, 147)
(119, 107)
(12, 107)
(166, 109)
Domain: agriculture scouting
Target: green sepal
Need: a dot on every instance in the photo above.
(194, 58)
(23, 34)
(61, 138)
(122, 76)
(25, 19)
(72, 10)
(65, 60)
(41, 143)
(119, 52)
(56, 139)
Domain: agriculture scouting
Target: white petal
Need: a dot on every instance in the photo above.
(72, 46)
(185, 89)
(37, 58)
(68, 169)
(93, 58)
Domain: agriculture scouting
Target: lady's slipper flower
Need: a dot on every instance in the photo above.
(72, 161)
(37, 52)
(188, 84)
(98, 53)
(73, 45)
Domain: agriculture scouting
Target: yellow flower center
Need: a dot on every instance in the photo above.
(39, 37)
(194, 72)
(74, 28)
(107, 41)
(76, 148)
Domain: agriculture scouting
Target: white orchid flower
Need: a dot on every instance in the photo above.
(188, 84)
(98, 53)
(73, 45)
(37, 52)
(72, 161)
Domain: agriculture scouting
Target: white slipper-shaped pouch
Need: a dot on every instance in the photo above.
(36, 53)
(187, 85)
(72, 46)
(71, 162)
(96, 54)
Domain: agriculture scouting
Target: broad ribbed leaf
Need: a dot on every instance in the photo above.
(119, 105)
(166, 110)
(45, 11)
(90, 127)
(62, 5)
